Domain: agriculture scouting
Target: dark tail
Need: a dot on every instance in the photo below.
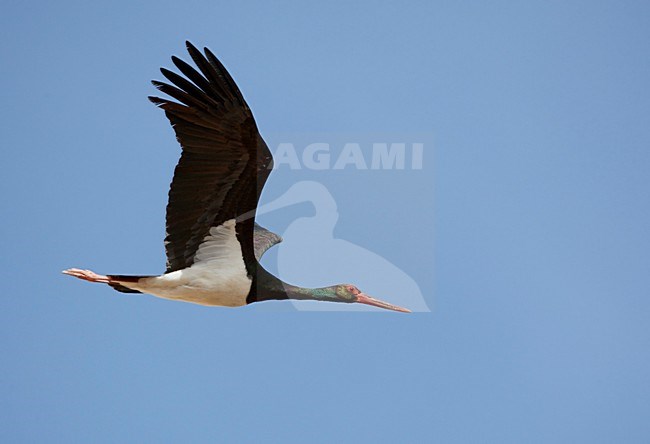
(121, 288)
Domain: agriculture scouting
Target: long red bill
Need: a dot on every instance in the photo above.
(365, 299)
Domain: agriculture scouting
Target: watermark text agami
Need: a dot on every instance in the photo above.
(351, 155)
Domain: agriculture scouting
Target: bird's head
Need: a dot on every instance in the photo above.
(350, 293)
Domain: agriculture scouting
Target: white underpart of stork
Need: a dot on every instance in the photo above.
(217, 277)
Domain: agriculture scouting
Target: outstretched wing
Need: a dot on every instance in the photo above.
(224, 162)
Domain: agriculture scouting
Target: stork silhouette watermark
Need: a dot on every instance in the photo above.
(309, 246)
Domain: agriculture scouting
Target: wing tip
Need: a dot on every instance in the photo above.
(156, 100)
(190, 47)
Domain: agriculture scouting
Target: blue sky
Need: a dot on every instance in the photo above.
(526, 229)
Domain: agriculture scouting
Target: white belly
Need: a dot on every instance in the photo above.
(217, 277)
(200, 285)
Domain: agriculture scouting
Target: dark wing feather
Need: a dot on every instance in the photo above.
(224, 162)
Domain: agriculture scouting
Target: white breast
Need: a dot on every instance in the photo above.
(217, 277)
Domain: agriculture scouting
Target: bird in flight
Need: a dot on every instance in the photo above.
(213, 243)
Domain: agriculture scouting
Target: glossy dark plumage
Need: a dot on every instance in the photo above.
(224, 163)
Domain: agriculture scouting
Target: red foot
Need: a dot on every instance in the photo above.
(87, 275)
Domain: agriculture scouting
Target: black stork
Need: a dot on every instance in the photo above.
(213, 243)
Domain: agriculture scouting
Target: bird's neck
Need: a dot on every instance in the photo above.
(270, 287)
(304, 293)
